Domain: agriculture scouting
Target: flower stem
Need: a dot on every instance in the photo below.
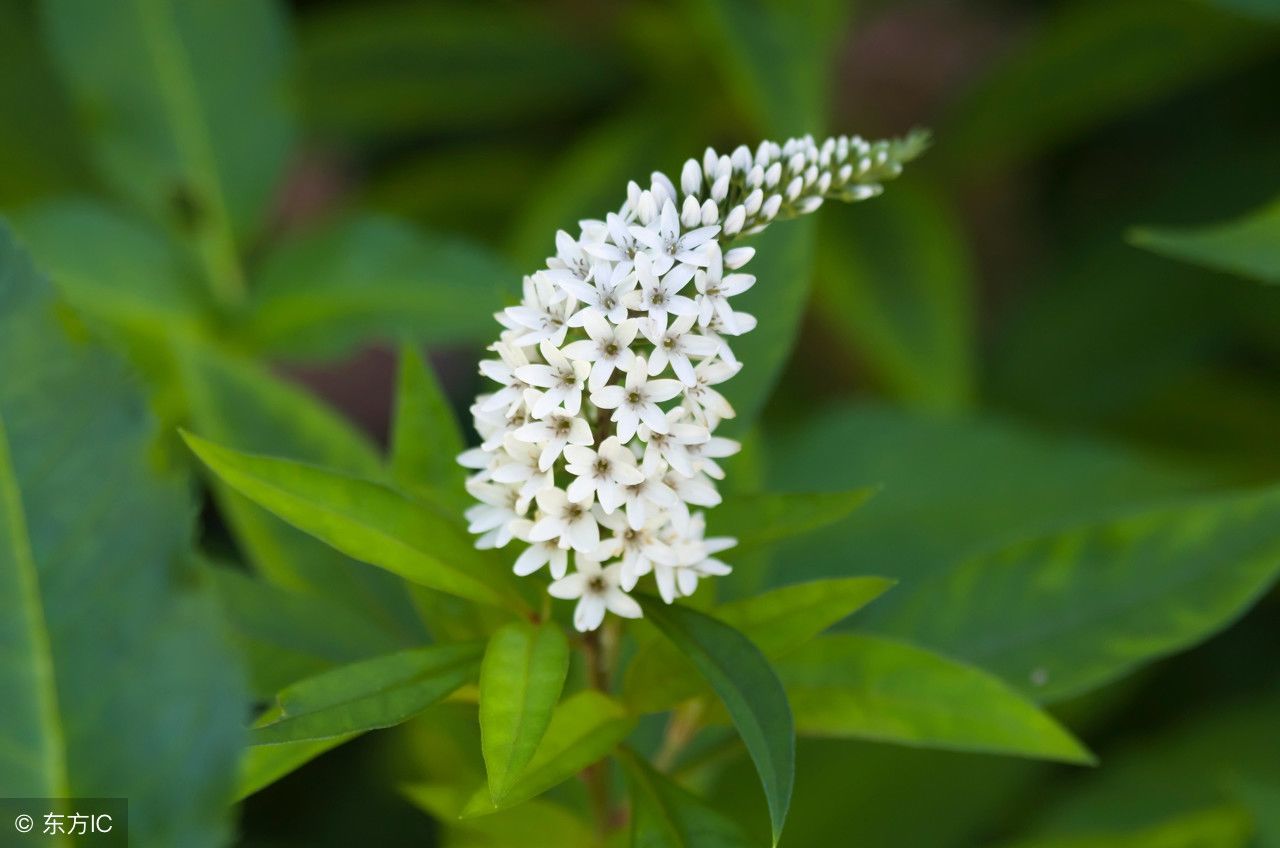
(596, 775)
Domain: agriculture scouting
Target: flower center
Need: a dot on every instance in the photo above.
(611, 349)
(634, 397)
(596, 585)
(601, 467)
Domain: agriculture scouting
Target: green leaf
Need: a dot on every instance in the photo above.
(951, 488)
(777, 621)
(374, 693)
(425, 439)
(520, 681)
(196, 141)
(242, 405)
(365, 520)
(263, 765)
(894, 288)
(663, 815)
(584, 728)
(115, 675)
(855, 686)
(533, 824)
(749, 688)
(384, 68)
(1248, 246)
(1066, 612)
(1088, 64)
(760, 519)
(373, 278)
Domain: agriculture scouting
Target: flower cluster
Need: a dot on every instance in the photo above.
(599, 435)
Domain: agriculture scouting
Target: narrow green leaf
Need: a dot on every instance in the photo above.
(777, 621)
(370, 694)
(197, 142)
(854, 686)
(373, 278)
(1066, 612)
(533, 824)
(241, 404)
(363, 519)
(425, 439)
(758, 520)
(749, 688)
(894, 289)
(263, 765)
(520, 681)
(663, 815)
(584, 728)
(1248, 246)
(1225, 826)
(115, 676)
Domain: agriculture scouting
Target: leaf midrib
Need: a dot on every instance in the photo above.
(50, 715)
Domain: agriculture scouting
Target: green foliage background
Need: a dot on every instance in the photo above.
(1052, 347)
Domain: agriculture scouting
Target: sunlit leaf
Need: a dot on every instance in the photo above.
(1220, 827)
(533, 824)
(520, 681)
(425, 439)
(114, 674)
(749, 689)
(1069, 611)
(584, 728)
(851, 685)
(263, 765)
(364, 519)
(369, 694)
(1249, 246)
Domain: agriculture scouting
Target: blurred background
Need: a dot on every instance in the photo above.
(987, 339)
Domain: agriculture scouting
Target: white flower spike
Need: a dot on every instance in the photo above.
(605, 404)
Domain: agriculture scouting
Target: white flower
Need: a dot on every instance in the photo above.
(642, 452)
(715, 289)
(597, 590)
(498, 507)
(673, 445)
(667, 246)
(637, 401)
(708, 405)
(604, 295)
(609, 347)
(552, 433)
(660, 295)
(651, 495)
(675, 346)
(562, 377)
(572, 524)
(602, 473)
(638, 547)
(538, 554)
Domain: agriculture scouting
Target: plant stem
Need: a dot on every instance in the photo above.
(596, 775)
(681, 729)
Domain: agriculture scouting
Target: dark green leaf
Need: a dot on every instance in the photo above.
(584, 728)
(894, 288)
(1069, 611)
(855, 686)
(115, 676)
(365, 520)
(777, 621)
(520, 681)
(374, 278)
(749, 688)
(758, 520)
(663, 815)
(1249, 246)
(370, 694)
